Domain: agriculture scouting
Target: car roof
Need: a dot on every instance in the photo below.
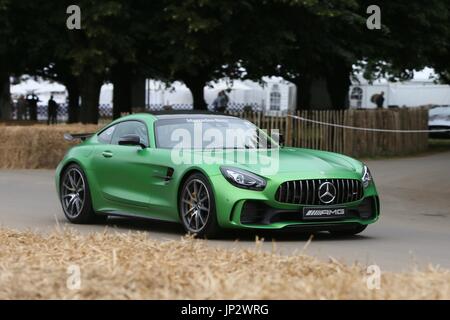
(194, 115)
(180, 114)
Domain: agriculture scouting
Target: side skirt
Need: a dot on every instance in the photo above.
(130, 215)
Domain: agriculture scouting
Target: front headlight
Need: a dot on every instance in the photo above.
(243, 179)
(366, 177)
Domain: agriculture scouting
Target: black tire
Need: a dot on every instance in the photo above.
(77, 203)
(348, 231)
(210, 228)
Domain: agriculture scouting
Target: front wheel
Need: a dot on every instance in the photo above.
(197, 207)
(76, 197)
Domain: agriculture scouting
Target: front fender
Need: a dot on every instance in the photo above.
(79, 155)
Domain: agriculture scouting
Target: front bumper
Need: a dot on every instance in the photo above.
(259, 214)
(246, 209)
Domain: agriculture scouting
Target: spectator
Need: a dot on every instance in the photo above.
(52, 111)
(220, 104)
(21, 108)
(32, 106)
(379, 100)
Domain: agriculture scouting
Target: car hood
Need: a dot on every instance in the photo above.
(285, 160)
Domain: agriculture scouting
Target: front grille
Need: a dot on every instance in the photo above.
(306, 192)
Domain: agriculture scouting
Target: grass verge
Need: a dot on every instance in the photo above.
(133, 266)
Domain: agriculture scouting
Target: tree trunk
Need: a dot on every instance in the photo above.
(74, 100)
(303, 84)
(122, 81)
(197, 85)
(5, 97)
(338, 84)
(90, 84)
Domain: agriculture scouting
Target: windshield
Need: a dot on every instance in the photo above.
(210, 133)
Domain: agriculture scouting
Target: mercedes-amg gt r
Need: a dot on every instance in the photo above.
(211, 172)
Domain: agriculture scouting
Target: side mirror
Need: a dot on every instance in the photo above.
(131, 140)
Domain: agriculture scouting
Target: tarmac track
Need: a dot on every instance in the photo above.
(414, 229)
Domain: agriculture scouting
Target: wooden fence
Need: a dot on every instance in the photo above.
(357, 143)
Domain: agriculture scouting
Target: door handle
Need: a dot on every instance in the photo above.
(107, 154)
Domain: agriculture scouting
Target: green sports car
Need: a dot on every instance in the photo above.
(212, 172)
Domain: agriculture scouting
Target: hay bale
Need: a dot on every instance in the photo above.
(115, 265)
(36, 146)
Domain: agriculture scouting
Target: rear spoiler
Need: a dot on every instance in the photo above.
(75, 136)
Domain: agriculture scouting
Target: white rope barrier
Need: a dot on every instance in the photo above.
(366, 129)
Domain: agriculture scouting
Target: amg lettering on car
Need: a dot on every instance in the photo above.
(325, 212)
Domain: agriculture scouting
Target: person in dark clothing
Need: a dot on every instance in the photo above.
(32, 100)
(22, 108)
(220, 104)
(379, 100)
(52, 111)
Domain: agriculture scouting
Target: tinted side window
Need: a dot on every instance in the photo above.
(130, 127)
(106, 136)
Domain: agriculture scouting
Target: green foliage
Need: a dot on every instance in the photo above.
(415, 34)
(204, 40)
(171, 38)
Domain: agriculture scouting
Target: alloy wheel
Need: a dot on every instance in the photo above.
(73, 192)
(195, 206)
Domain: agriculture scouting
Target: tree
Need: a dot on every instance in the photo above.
(90, 49)
(57, 53)
(113, 44)
(327, 41)
(202, 41)
(301, 41)
(81, 59)
(136, 50)
(18, 42)
(412, 37)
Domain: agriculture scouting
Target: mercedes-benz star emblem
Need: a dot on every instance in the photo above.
(327, 192)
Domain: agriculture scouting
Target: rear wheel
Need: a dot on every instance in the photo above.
(349, 231)
(197, 207)
(75, 197)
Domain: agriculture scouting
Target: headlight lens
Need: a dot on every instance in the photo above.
(243, 179)
(367, 177)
